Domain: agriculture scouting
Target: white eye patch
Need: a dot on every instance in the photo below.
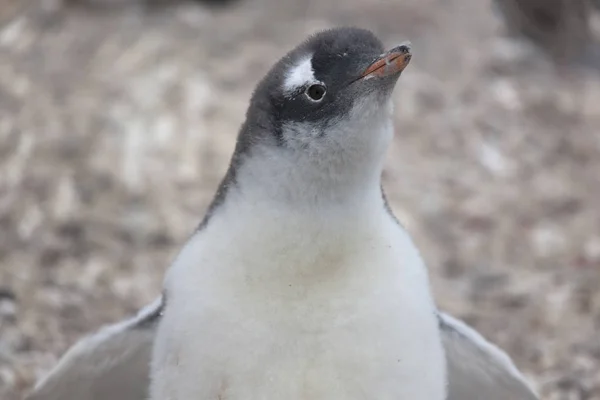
(299, 75)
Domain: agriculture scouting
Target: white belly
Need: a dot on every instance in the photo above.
(352, 320)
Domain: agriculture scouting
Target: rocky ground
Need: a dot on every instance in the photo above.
(116, 124)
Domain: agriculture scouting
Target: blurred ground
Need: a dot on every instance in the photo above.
(116, 125)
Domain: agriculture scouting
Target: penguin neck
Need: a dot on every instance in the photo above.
(263, 224)
(309, 212)
(273, 231)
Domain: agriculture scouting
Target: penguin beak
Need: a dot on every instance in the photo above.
(389, 63)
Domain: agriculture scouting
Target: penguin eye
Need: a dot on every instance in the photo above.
(316, 92)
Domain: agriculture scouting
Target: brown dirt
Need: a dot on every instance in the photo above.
(116, 124)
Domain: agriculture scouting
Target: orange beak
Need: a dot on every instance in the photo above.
(390, 63)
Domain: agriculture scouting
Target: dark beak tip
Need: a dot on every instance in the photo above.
(404, 48)
(391, 62)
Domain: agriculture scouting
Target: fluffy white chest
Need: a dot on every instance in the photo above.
(309, 309)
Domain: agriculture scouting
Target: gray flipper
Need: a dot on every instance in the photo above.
(114, 364)
(111, 364)
(477, 369)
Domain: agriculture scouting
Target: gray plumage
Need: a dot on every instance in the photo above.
(477, 369)
(270, 108)
(113, 364)
(305, 159)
